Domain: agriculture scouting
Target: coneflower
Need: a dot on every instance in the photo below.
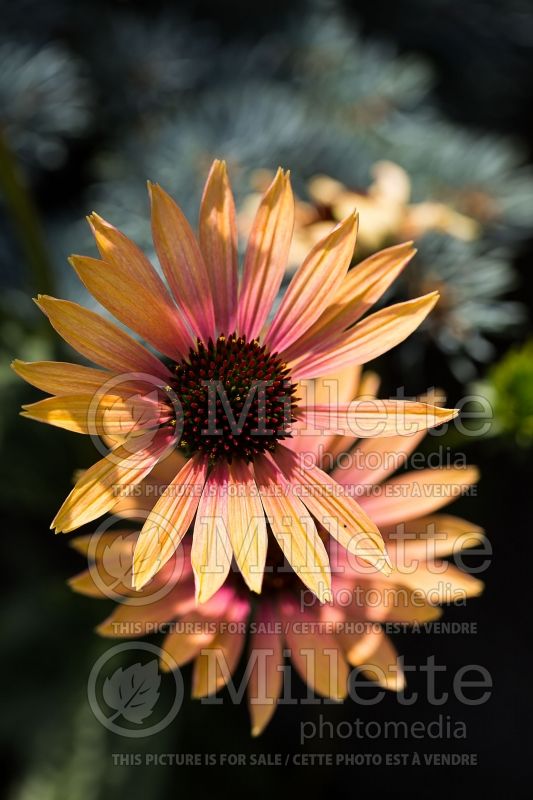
(223, 393)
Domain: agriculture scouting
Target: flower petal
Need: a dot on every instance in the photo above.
(211, 551)
(134, 305)
(266, 256)
(361, 288)
(131, 619)
(367, 340)
(358, 647)
(96, 491)
(336, 511)
(246, 525)
(315, 653)
(331, 391)
(427, 538)
(374, 418)
(198, 629)
(405, 606)
(85, 583)
(182, 262)
(367, 389)
(338, 388)
(314, 284)
(120, 540)
(293, 528)
(97, 414)
(369, 280)
(374, 459)
(56, 377)
(129, 287)
(417, 493)
(447, 584)
(169, 521)
(218, 243)
(138, 504)
(266, 677)
(376, 656)
(218, 661)
(111, 568)
(99, 340)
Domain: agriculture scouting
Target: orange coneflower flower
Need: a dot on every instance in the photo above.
(321, 641)
(223, 393)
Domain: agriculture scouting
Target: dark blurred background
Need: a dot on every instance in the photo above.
(95, 98)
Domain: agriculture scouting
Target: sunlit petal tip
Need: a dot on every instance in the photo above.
(44, 300)
(255, 583)
(346, 225)
(140, 579)
(202, 593)
(98, 225)
(388, 568)
(349, 221)
(326, 596)
(58, 528)
(156, 190)
(152, 190)
(97, 221)
(220, 166)
(278, 178)
(144, 567)
(383, 565)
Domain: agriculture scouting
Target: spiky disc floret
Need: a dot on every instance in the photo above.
(235, 399)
